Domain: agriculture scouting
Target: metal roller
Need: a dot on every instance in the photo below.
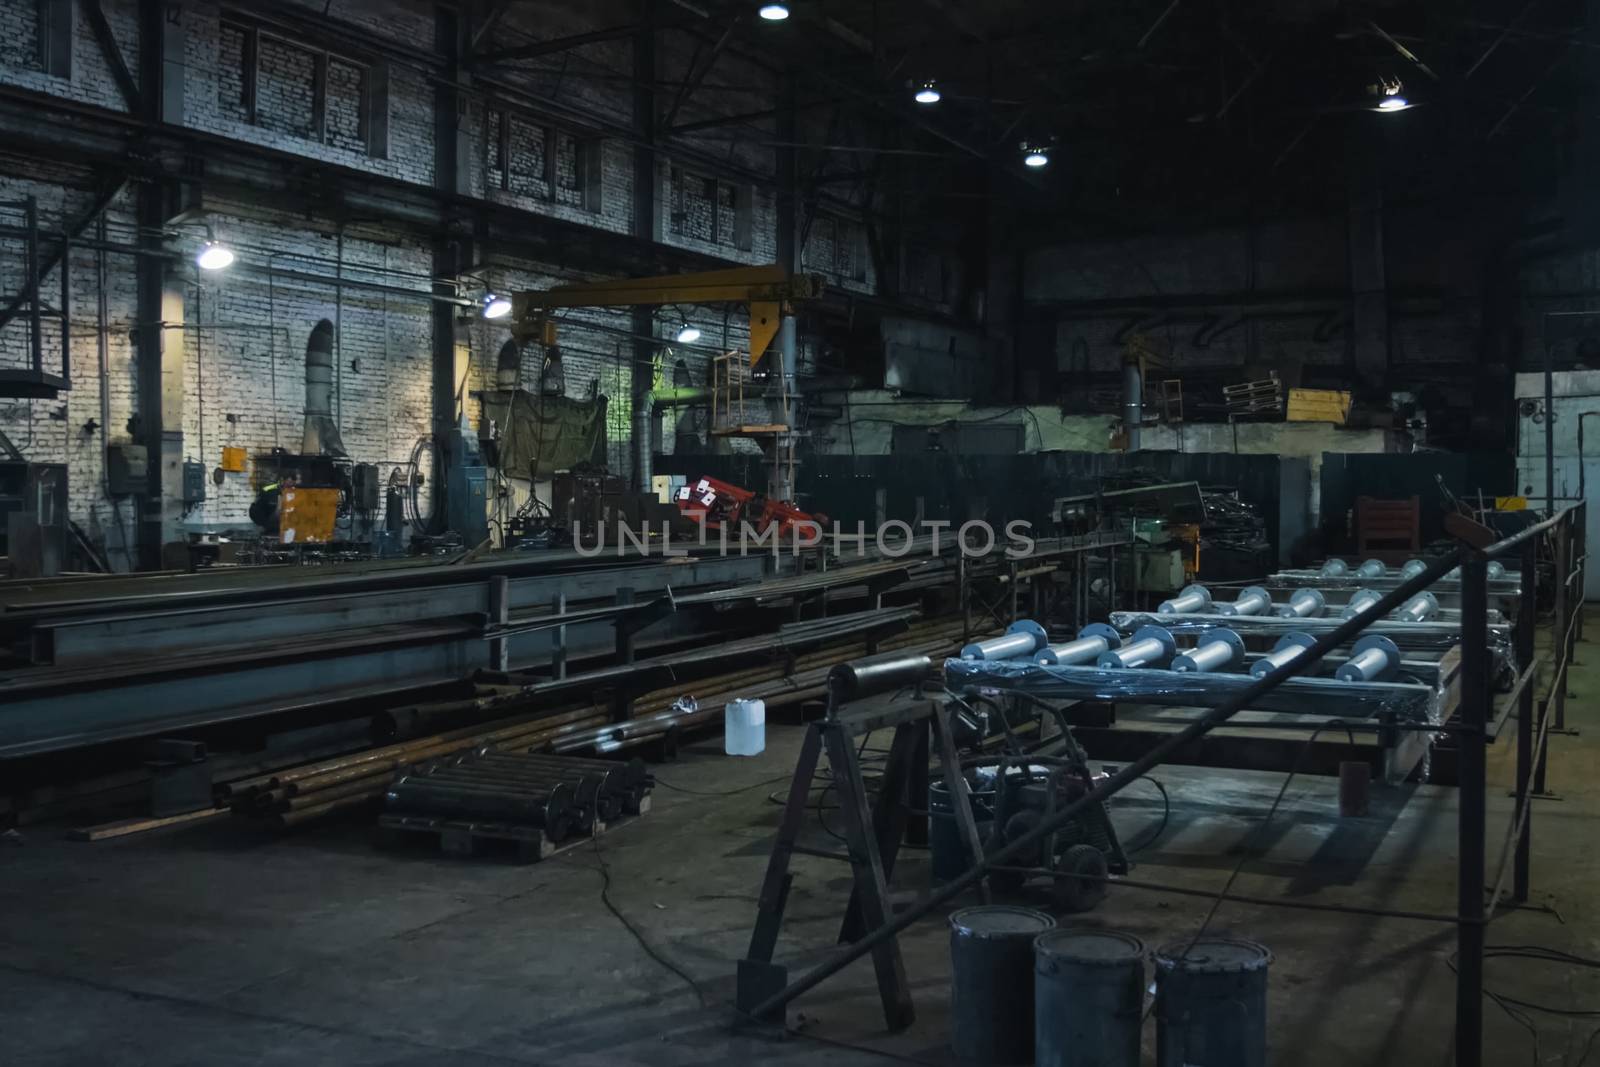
(1303, 604)
(1334, 568)
(1093, 640)
(1372, 568)
(1412, 568)
(1022, 638)
(1150, 646)
(1419, 608)
(1252, 600)
(1361, 601)
(415, 793)
(879, 674)
(1192, 599)
(1219, 650)
(1496, 569)
(1372, 659)
(1289, 648)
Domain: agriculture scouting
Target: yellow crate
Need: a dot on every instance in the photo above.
(1319, 405)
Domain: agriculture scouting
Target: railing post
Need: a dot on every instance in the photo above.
(1527, 616)
(1470, 828)
(1581, 526)
(1558, 631)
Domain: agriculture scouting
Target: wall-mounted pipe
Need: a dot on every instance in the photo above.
(1151, 646)
(1218, 650)
(1361, 601)
(1289, 648)
(1132, 403)
(1303, 604)
(644, 412)
(1192, 599)
(1022, 638)
(321, 434)
(1252, 600)
(1372, 659)
(1419, 608)
(1093, 640)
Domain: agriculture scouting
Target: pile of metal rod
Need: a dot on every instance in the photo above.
(301, 794)
(561, 795)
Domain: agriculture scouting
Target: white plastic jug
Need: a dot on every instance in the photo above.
(744, 727)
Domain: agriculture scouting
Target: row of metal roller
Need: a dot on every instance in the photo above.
(1373, 658)
(1376, 568)
(1303, 604)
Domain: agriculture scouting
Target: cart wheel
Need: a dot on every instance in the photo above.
(1080, 894)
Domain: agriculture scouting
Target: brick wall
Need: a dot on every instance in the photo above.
(91, 81)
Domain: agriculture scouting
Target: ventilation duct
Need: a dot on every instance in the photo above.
(321, 436)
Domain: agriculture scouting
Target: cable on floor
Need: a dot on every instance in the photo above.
(1161, 828)
(649, 950)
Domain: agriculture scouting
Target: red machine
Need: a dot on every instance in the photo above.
(715, 503)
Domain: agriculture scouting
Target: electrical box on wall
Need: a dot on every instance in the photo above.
(127, 469)
(364, 487)
(194, 482)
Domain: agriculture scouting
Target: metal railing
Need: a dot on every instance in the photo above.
(1471, 732)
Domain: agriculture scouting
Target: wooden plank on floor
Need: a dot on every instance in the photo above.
(144, 824)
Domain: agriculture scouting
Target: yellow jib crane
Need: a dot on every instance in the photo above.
(770, 291)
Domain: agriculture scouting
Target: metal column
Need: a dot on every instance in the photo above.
(1470, 826)
(1527, 614)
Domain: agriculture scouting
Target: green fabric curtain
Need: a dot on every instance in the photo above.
(543, 434)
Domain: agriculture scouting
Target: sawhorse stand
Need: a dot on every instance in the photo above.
(873, 838)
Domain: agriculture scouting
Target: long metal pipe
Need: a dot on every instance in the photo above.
(1359, 601)
(644, 423)
(1022, 638)
(1132, 403)
(1028, 843)
(1419, 608)
(1289, 649)
(1252, 600)
(1303, 604)
(1374, 657)
(1150, 646)
(1218, 650)
(1093, 640)
(1372, 568)
(1192, 599)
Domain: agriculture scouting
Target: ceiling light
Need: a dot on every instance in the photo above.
(687, 334)
(928, 93)
(1393, 103)
(1034, 156)
(774, 12)
(214, 255)
(496, 307)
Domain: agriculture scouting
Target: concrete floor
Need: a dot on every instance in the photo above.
(220, 944)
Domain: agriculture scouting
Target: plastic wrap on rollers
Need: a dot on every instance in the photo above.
(1323, 696)
(1431, 636)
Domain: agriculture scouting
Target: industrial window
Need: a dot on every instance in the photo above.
(837, 247)
(280, 85)
(710, 210)
(55, 37)
(543, 162)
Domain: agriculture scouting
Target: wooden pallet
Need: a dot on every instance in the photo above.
(480, 837)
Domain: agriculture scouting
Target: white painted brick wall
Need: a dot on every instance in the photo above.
(91, 81)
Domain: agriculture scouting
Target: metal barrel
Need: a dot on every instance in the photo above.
(1334, 568)
(1194, 598)
(1211, 1003)
(416, 794)
(1303, 604)
(991, 982)
(948, 857)
(1360, 601)
(1252, 600)
(1092, 640)
(1150, 646)
(1412, 568)
(1372, 568)
(1289, 648)
(1419, 608)
(1088, 996)
(1372, 659)
(1218, 650)
(1022, 638)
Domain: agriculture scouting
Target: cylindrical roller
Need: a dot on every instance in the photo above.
(1252, 600)
(1359, 602)
(1303, 604)
(882, 673)
(1372, 568)
(1412, 568)
(1496, 569)
(1419, 608)
(414, 793)
(1092, 640)
(1290, 647)
(1022, 638)
(1192, 599)
(617, 777)
(1150, 646)
(634, 771)
(1372, 659)
(586, 787)
(1334, 568)
(1219, 650)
